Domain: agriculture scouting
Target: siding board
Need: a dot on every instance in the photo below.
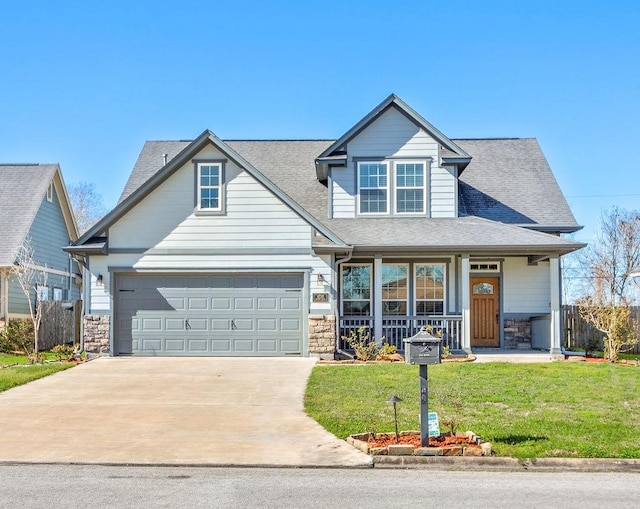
(527, 288)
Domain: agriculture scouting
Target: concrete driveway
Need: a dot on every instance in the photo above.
(181, 411)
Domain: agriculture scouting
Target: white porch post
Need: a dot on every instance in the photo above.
(377, 298)
(466, 304)
(556, 310)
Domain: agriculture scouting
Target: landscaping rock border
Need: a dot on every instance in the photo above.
(360, 442)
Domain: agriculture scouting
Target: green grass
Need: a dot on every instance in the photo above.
(524, 410)
(24, 372)
(9, 359)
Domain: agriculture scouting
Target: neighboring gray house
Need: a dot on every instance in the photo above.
(281, 247)
(34, 205)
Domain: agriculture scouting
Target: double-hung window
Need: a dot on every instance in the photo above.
(373, 184)
(398, 187)
(410, 188)
(210, 180)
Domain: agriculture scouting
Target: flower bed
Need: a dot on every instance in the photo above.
(461, 444)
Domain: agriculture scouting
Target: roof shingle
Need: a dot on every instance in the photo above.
(22, 189)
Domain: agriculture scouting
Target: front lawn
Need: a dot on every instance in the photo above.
(524, 410)
(24, 373)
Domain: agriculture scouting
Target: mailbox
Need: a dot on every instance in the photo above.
(423, 348)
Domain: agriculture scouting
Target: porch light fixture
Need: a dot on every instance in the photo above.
(321, 279)
(395, 399)
(99, 279)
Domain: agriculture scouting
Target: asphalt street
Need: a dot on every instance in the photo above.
(81, 486)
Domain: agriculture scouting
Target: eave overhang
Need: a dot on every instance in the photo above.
(552, 228)
(460, 162)
(473, 250)
(324, 164)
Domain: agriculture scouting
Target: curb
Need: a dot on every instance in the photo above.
(509, 464)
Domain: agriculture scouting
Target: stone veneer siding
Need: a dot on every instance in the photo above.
(322, 335)
(517, 333)
(96, 334)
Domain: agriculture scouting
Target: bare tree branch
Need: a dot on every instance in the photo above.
(30, 276)
(87, 204)
(608, 262)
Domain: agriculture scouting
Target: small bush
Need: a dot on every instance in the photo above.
(362, 343)
(387, 349)
(63, 351)
(17, 337)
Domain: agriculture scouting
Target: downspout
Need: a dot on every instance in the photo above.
(82, 263)
(338, 262)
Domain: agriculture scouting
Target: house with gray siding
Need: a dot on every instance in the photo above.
(34, 205)
(281, 247)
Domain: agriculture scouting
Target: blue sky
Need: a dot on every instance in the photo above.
(86, 83)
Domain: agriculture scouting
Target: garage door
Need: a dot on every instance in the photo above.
(236, 314)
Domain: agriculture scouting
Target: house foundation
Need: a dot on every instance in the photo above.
(322, 335)
(96, 334)
(517, 333)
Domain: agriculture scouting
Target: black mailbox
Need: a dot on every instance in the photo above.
(422, 349)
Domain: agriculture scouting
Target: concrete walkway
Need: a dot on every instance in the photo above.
(180, 411)
(503, 355)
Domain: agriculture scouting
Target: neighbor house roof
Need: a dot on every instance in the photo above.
(22, 189)
(507, 183)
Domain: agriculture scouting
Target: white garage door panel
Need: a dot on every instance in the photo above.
(244, 314)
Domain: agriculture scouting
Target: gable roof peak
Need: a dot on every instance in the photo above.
(393, 101)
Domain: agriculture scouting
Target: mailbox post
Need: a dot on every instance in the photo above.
(423, 349)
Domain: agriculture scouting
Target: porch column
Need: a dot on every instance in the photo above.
(556, 310)
(377, 298)
(466, 303)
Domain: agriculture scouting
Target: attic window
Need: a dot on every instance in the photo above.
(210, 186)
(50, 192)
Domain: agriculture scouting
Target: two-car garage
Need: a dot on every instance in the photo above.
(236, 314)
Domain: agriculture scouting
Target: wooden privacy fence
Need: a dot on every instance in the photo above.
(60, 323)
(579, 334)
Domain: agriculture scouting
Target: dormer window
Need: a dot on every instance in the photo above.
(392, 186)
(410, 188)
(374, 188)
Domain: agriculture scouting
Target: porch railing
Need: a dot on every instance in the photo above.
(397, 328)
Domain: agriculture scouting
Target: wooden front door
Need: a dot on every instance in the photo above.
(485, 312)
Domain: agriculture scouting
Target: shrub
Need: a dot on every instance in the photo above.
(63, 351)
(362, 343)
(387, 349)
(17, 337)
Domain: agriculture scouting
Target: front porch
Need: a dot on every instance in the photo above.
(507, 302)
(395, 329)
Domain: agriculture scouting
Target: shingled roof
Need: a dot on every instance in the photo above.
(508, 184)
(22, 189)
(509, 180)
